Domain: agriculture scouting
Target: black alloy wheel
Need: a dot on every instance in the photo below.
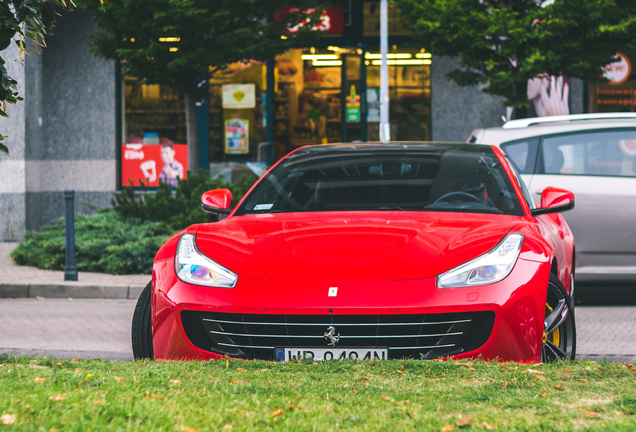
(559, 328)
(142, 327)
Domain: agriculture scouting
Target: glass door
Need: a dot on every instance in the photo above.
(316, 118)
(409, 93)
(353, 99)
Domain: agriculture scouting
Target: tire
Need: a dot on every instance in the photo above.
(559, 331)
(142, 327)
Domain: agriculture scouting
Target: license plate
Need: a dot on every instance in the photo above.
(320, 354)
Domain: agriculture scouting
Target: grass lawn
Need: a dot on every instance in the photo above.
(46, 394)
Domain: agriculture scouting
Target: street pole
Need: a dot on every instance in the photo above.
(70, 272)
(385, 127)
(270, 95)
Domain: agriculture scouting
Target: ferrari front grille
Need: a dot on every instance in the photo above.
(256, 336)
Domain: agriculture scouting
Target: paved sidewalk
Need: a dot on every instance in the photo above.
(67, 328)
(30, 282)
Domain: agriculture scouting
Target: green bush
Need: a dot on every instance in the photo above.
(125, 239)
(180, 208)
(104, 243)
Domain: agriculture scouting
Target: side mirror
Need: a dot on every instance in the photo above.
(217, 201)
(554, 200)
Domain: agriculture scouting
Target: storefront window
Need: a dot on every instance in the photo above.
(409, 94)
(323, 94)
(154, 147)
(236, 106)
(153, 109)
(307, 104)
(311, 96)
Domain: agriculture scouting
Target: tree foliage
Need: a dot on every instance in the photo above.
(20, 20)
(503, 43)
(210, 35)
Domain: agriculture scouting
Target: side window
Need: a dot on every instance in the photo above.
(603, 153)
(522, 153)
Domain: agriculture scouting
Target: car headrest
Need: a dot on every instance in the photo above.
(553, 159)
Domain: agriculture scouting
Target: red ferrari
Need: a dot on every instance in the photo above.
(369, 251)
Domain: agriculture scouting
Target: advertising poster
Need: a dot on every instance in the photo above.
(618, 94)
(151, 163)
(236, 136)
(549, 95)
(239, 96)
(353, 106)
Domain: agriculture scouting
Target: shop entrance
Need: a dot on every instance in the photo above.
(326, 95)
(330, 92)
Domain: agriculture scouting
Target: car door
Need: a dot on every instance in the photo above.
(600, 168)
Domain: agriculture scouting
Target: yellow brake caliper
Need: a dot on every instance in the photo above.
(555, 336)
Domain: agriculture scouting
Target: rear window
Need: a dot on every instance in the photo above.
(427, 179)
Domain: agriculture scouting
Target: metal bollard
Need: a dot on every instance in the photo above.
(70, 271)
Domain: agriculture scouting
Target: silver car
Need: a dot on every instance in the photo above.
(594, 156)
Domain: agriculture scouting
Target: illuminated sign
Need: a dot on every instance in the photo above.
(331, 19)
(618, 72)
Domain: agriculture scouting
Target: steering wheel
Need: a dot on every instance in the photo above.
(459, 194)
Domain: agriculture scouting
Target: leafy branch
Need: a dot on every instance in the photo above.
(20, 21)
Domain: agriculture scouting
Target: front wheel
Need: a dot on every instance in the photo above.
(142, 327)
(559, 328)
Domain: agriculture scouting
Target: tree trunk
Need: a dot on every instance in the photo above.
(191, 130)
(521, 91)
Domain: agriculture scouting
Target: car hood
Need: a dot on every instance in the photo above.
(350, 246)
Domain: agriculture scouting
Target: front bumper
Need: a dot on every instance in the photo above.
(503, 320)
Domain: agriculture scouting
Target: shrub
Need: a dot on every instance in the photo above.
(181, 208)
(104, 243)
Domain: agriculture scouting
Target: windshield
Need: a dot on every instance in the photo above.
(414, 178)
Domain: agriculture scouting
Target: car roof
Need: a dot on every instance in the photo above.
(393, 145)
(538, 126)
(520, 123)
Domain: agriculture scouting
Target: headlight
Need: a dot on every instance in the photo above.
(486, 269)
(193, 267)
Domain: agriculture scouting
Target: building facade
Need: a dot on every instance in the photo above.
(83, 125)
(62, 136)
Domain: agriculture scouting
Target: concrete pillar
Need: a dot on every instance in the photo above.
(12, 168)
(62, 136)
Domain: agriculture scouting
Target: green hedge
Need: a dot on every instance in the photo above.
(125, 239)
(179, 208)
(104, 243)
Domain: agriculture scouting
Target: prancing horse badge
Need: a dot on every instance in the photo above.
(333, 291)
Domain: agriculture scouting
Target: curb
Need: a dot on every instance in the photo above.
(125, 292)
